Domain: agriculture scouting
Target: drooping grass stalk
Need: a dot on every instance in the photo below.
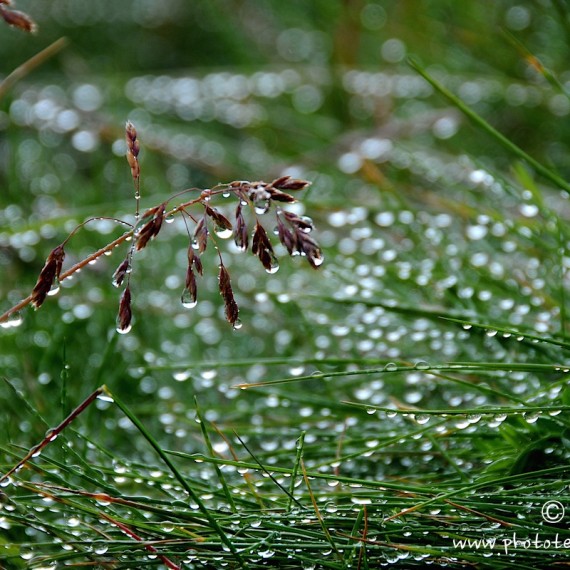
(52, 434)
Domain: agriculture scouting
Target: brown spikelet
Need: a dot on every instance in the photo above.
(286, 237)
(125, 314)
(297, 239)
(231, 308)
(308, 247)
(220, 221)
(288, 183)
(190, 293)
(279, 196)
(195, 261)
(241, 237)
(133, 150)
(261, 246)
(201, 235)
(121, 272)
(150, 229)
(302, 223)
(17, 19)
(48, 275)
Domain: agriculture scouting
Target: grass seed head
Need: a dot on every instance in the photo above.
(288, 183)
(150, 229)
(48, 276)
(231, 307)
(201, 235)
(241, 237)
(133, 150)
(125, 313)
(121, 272)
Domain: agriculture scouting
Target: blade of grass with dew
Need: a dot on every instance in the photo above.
(211, 451)
(192, 494)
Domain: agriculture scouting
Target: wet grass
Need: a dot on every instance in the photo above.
(406, 404)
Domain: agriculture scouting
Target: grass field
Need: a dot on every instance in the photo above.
(403, 403)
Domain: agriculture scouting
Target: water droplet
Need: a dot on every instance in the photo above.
(125, 330)
(222, 232)
(297, 370)
(266, 553)
(50, 435)
(318, 259)
(54, 288)
(274, 268)
(237, 325)
(422, 365)
(13, 320)
(531, 418)
(491, 333)
(422, 419)
(169, 219)
(261, 206)
(391, 367)
(308, 224)
(182, 375)
(104, 397)
(189, 300)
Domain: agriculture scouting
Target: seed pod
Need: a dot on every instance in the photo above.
(125, 314)
(279, 196)
(48, 276)
(286, 237)
(261, 246)
(241, 237)
(133, 150)
(201, 235)
(231, 308)
(18, 19)
(120, 273)
(288, 183)
(195, 261)
(220, 221)
(150, 229)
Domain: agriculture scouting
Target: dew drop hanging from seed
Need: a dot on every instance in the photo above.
(14, 320)
(188, 299)
(222, 232)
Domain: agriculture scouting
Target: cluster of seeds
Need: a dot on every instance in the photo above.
(293, 232)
